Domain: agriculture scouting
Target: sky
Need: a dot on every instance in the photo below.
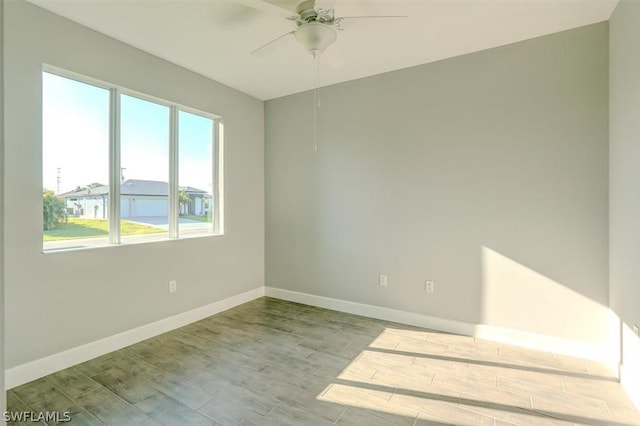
(75, 135)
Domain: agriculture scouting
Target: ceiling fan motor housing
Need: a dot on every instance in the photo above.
(307, 11)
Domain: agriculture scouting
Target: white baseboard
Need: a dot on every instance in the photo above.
(41, 367)
(556, 345)
(630, 383)
(488, 332)
(371, 311)
(32, 370)
(630, 368)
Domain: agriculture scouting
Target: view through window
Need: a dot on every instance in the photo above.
(162, 157)
(195, 171)
(144, 169)
(75, 162)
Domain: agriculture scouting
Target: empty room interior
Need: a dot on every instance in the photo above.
(288, 212)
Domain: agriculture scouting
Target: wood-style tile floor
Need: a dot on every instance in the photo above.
(271, 362)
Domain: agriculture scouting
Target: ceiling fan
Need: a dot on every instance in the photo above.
(316, 29)
(317, 26)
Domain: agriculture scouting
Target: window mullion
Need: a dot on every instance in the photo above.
(174, 204)
(114, 166)
(218, 177)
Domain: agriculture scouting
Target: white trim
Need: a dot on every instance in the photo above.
(38, 368)
(411, 318)
(556, 345)
(630, 367)
(32, 370)
(629, 381)
(218, 179)
(103, 84)
(115, 172)
(173, 187)
(601, 353)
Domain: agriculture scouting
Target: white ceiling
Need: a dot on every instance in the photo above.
(215, 37)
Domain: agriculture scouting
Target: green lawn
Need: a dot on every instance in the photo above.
(91, 228)
(201, 218)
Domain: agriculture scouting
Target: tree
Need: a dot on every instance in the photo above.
(53, 210)
(183, 200)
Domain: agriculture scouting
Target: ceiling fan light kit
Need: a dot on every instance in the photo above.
(317, 25)
(315, 37)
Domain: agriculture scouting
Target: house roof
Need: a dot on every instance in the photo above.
(133, 187)
(87, 192)
(192, 190)
(144, 187)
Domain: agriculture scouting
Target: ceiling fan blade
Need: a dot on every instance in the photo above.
(290, 5)
(350, 20)
(230, 13)
(324, 5)
(267, 7)
(275, 40)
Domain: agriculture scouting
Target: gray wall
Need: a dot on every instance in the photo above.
(2, 393)
(59, 301)
(487, 173)
(625, 181)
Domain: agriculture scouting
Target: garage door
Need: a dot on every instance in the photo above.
(151, 207)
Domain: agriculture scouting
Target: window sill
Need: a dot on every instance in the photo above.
(99, 243)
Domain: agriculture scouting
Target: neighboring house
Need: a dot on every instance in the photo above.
(139, 198)
(199, 204)
(88, 202)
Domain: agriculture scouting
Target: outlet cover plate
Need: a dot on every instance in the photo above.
(383, 280)
(429, 286)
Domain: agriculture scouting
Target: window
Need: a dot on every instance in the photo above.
(75, 162)
(195, 134)
(120, 167)
(144, 169)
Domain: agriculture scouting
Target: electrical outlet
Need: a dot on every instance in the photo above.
(636, 330)
(173, 286)
(429, 286)
(383, 280)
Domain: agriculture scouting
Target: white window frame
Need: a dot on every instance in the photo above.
(115, 92)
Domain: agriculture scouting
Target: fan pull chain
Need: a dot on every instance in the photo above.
(316, 97)
(317, 77)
